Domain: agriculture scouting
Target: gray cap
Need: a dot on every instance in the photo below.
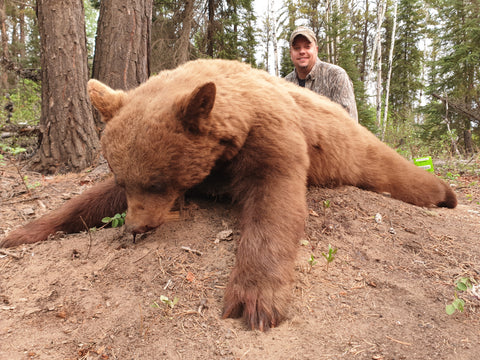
(304, 31)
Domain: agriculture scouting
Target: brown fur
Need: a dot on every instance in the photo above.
(216, 124)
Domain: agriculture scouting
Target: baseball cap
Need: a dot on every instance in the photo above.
(304, 31)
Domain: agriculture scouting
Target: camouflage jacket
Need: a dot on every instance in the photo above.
(331, 81)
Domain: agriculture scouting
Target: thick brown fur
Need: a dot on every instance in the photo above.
(221, 124)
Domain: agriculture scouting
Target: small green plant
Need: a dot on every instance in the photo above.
(117, 220)
(463, 284)
(451, 176)
(15, 151)
(29, 185)
(326, 205)
(312, 262)
(164, 299)
(12, 150)
(330, 256)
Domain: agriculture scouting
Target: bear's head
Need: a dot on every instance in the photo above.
(158, 142)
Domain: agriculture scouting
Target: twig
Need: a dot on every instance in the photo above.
(89, 236)
(143, 256)
(9, 253)
(186, 248)
(21, 177)
(398, 341)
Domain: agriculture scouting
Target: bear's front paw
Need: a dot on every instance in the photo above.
(262, 306)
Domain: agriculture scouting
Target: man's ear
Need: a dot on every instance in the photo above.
(197, 106)
(106, 100)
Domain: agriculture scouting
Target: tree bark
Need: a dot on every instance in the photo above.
(363, 63)
(389, 75)
(5, 53)
(122, 46)
(69, 141)
(184, 39)
(274, 38)
(210, 27)
(467, 139)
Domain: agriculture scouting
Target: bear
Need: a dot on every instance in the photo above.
(220, 126)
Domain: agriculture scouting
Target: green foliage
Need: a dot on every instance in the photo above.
(9, 150)
(26, 99)
(454, 69)
(30, 185)
(312, 261)
(91, 15)
(117, 220)
(463, 284)
(234, 35)
(12, 150)
(330, 255)
(166, 301)
(406, 82)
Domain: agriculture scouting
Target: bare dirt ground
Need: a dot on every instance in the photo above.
(99, 295)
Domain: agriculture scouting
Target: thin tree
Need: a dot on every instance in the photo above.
(274, 36)
(377, 54)
(389, 76)
(210, 28)
(69, 141)
(183, 52)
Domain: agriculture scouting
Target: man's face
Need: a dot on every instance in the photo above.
(303, 54)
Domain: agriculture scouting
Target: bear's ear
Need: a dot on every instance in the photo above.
(105, 99)
(197, 107)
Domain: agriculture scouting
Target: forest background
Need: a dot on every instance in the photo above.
(414, 63)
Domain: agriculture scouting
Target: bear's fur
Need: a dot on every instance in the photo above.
(221, 126)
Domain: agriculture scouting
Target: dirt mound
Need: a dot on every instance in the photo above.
(101, 296)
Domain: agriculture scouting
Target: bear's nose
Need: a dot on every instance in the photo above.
(135, 230)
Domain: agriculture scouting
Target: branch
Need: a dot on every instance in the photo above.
(11, 131)
(471, 114)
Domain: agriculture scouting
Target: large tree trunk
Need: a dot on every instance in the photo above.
(122, 47)
(69, 141)
(4, 53)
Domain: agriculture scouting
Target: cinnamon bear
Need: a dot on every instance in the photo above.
(222, 124)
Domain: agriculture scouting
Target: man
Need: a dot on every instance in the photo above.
(310, 72)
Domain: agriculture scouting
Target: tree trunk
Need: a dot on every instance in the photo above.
(381, 7)
(184, 39)
(210, 27)
(5, 54)
(363, 63)
(389, 76)
(467, 139)
(122, 46)
(69, 141)
(327, 30)
(274, 38)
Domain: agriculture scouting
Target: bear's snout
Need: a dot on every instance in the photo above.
(135, 230)
(139, 223)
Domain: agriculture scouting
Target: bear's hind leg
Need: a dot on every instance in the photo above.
(103, 199)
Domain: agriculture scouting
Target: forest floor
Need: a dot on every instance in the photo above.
(98, 295)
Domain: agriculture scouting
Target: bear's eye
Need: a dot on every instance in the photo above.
(158, 189)
(118, 182)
